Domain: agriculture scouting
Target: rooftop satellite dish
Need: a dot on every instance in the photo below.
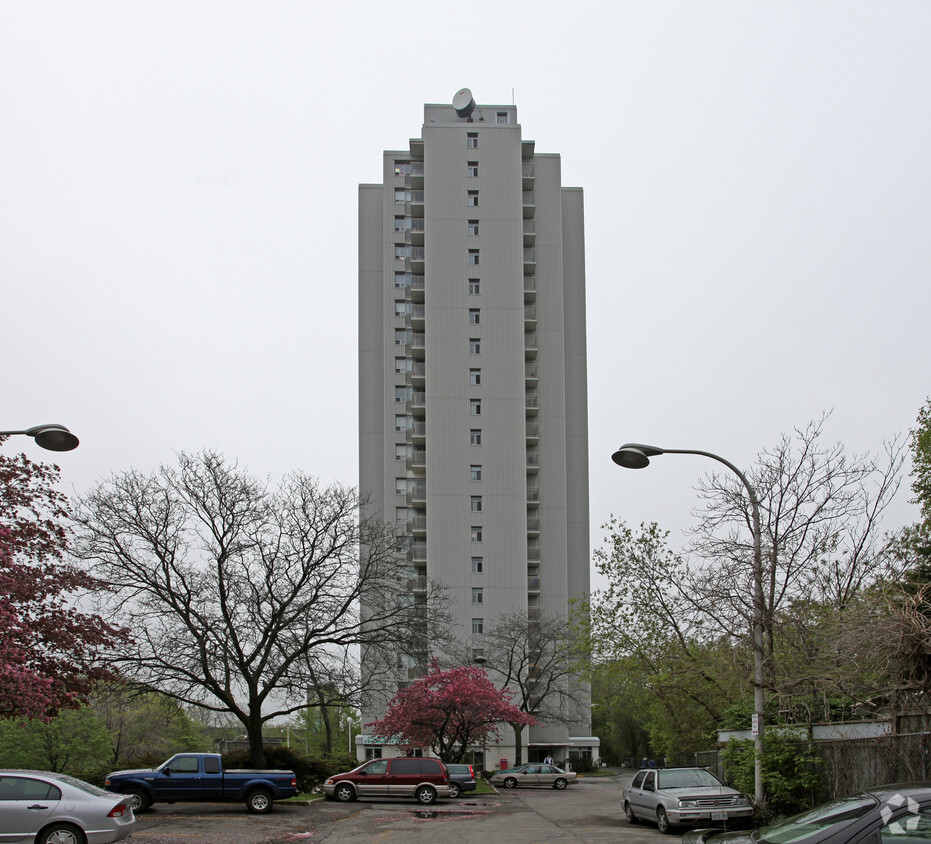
(463, 102)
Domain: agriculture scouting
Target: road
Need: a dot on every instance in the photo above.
(586, 813)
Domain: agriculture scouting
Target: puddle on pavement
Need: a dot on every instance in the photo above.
(428, 814)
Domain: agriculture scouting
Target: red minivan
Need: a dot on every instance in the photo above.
(407, 776)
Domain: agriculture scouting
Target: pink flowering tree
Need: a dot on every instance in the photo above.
(48, 646)
(450, 711)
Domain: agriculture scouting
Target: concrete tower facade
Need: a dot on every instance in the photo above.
(472, 390)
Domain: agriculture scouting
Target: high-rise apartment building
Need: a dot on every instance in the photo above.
(472, 392)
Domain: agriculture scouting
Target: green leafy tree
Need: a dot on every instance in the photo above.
(73, 741)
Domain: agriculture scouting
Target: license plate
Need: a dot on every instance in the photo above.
(719, 816)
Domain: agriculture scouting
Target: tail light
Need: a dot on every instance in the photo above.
(471, 772)
(118, 811)
(293, 782)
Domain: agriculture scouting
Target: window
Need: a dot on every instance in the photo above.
(473, 228)
(472, 200)
(401, 486)
(402, 280)
(475, 436)
(473, 257)
(401, 515)
(403, 450)
(475, 287)
(23, 788)
(475, 472)
(403, 394)
(475, 377)
(475, 346)
(476, 595)
(471, 140)
(478, 626)
(402, 251)
(402, 223)
(401, 196)
(211, 765)
(402, 308)
(475, 407)
(402, 365)
(402, 168)
(475, 503)
(472, 169)
(476, 534)
(501, 117)
(403, 423)
(474, 317)
(402, 336)
(478, 565)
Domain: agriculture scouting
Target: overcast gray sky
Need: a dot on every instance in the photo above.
(178, 201)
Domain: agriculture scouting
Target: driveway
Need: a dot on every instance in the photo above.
(585, 813)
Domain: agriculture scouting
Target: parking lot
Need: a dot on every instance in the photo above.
(586, 813)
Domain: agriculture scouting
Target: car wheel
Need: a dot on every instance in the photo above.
(629, 813)
(139, 799)
(662, 821)
(560, 783)
(344, 793)
(454, 789)
(61, 833)
(510, 782)
(425, 794)
(259, 801)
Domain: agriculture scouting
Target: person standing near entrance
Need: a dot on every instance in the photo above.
(548, 760)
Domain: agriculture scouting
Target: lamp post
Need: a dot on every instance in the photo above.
(53, 437)
(637, 456)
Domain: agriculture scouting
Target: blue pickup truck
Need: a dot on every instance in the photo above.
(200, 778)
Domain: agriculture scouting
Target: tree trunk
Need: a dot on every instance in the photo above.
(518, 730)
(254, 734)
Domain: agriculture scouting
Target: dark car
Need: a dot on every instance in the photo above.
(406, 776)
(461, 778)
(885, 814)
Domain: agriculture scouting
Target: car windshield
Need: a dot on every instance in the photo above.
(687, 778)
(801, 827)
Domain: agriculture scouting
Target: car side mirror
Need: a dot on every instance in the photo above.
(363, 773)
(166, 772)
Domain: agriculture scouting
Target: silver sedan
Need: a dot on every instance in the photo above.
(534, 774)
(48, 808)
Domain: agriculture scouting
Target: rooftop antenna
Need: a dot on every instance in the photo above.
(463, 103)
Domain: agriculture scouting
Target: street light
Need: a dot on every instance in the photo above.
(53, 437)
(637, 456)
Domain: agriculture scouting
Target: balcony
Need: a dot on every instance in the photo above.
(533, 584)
(417, 463)
(532, 403)
(417, 348)
(530, 317)
(417, 526)
(530, 345)
(530, 288)
(526, 149)
(533, 496)
(416, 317)
(527, 175)
(416, 203)
(418, 403)
(530, 373)
(418, 552)
(530, 232)
(533, 553)
(418, 253)
(418, 374)
(535, 613)
(417, 231)
(417, 433)
(530, 261)
(417, 288)
(533, 461)
(527, 200)
(415, 179)
(533, 524)
(417, 495)
(533, 431)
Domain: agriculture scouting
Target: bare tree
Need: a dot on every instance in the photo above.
(541, 662)
(242, 597)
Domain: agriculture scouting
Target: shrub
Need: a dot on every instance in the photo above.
(310, 772)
